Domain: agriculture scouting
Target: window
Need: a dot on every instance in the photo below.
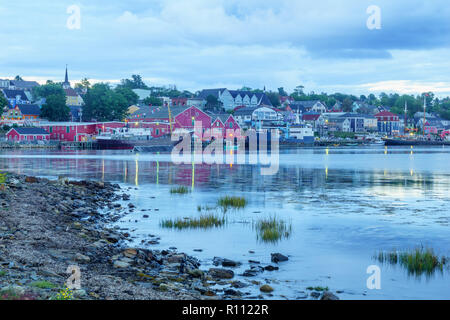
(67, 129)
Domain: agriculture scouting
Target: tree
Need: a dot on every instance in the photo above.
(135, 82)
(84, 84)
(3, 102)
(212, 103)
(347, 105)
(48, 89)
(104, 104)
(131, 97)
(274, 98)
(153, 101)
(282, 92)
(18, 78)
(55, 108)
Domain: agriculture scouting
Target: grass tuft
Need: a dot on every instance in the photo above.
(232, 202)
(179, 190)
(203, 222)
(417, 262)
(43, 285)
(272, 229)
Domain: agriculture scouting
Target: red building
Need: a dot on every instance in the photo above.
(78, 131)
(225, 122)
(188, 118)
(179, 102)
(27, 134)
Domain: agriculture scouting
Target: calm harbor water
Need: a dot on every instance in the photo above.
(344, 205)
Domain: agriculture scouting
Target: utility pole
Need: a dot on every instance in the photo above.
(424, 111)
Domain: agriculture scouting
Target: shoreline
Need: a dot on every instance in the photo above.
(46, 226)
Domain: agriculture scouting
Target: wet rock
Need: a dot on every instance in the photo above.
(130, 253)
(315, 294)
(82, 258)
(266, 288)
(196, 273)
(238, 284)
(327, 295)
(221, 273)
(145, 216)
(232, 292)
(121, 264)
(250, 273)
(278, 257)
(271, 268)
(31, 180)
(225, 262)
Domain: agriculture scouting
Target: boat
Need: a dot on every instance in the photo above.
(123, 139)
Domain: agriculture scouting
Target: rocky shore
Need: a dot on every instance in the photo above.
(49, 226)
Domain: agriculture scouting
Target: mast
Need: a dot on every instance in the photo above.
(424, 111)
(406, 115)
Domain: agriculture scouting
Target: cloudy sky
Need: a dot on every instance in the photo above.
(324, 45)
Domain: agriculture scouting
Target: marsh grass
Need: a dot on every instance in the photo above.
(417, 262)
(43, 285)
(232, 202)
(179, 190)
(272, 229)
(203, 222)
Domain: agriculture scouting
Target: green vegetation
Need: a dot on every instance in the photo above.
(417, 262)
(317, 288)
(344, 135)
(3, 273)
(272, 229)
(106, 104)
(55, 108)
(179, 190)
(43, 285)
(203, 222)
(232, 202)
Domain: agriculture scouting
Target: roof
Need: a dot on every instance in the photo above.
(307, 104)
(30, 131)
(210, 92)
(245, 111)
(386, 114)
(24, 84)
(12, 94)
(157, 112)
(29, 109)
(70, 92)
(311, 116)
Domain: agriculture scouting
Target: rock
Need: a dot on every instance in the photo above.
(79, 293)
(278, 257)
(327, 295)
(121, 264)
(229, 263)
(232, 292)
(250, 273)
(266, 288)
(221, 273)
(271, 268)
(130, 205)
(315, 295)
(238, 284)
(82, 258)
(130, 253)
(31, 180)
(196, 273)
(63, 180)
(302, 296)
(13, 290)
(179, 258)
(145, 216)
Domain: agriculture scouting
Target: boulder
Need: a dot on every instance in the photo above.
(266, 288)
(327, 295)
(219, 273)
(278, 257)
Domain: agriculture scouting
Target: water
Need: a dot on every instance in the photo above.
(344, 205)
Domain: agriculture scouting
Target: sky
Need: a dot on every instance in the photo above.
(324, 45)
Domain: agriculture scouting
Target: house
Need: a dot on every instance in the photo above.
(179, 102)
(356, 121)
(190, 117)
(73, 99)
(78, 131)
(231, 99)
(196, 102)
(22, 112)
(23, 85)
(388, 123)
(224, 122)
(315, 119)
(16, 97)
(308, 106)
(337, 124)
(4, 84)
(27, 134)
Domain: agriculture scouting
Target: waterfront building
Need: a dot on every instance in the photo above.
(224, 122)
(27, 134)
(21, 114)
(388, 123)
(232, 99)
(16, 97)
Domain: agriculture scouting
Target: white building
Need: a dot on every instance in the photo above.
(232, 99)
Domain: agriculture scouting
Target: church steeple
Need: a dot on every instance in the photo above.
(66, 83)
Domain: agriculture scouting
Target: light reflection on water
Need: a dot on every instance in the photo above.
(344, 205)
